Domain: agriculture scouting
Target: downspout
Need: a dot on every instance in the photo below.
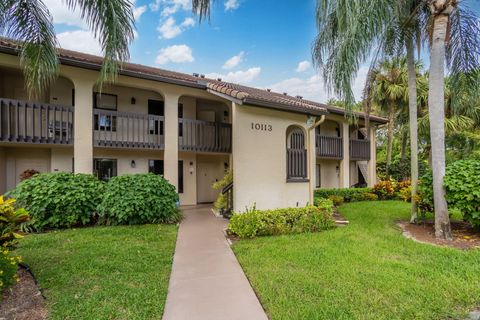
(316, 124)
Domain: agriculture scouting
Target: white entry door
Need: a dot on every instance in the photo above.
(205, 179)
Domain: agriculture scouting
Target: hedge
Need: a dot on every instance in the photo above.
(348, 194)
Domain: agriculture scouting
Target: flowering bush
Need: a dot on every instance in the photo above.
(385, 189)
(27, 174)
(8, 269)
(337, 200)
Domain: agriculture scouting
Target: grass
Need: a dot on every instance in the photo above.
(367, 270)
(103, 272)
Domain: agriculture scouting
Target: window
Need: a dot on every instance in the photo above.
(296, 155)
(180, 116)
(105, 121)
(155, 166)
(180, 176)
(156, 108)
(104, 169)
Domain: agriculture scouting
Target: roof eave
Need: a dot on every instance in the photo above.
(283, 107)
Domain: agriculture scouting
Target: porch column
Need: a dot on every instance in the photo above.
(83, 125)
(345, 162)
(312, 159)
(372, 163)
(171, 139)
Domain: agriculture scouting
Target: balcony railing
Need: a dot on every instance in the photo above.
(359, 149)
(329, 147)
(127, 130)
(35, 122)
(204, 136)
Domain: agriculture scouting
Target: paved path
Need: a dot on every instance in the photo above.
(207, 282)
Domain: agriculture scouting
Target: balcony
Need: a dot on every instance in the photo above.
(359, 149)
(204, 136)
(127, 130)
(35, 122)
(328, 147)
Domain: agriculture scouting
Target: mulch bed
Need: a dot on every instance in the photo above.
(24, 300)
(464, 236)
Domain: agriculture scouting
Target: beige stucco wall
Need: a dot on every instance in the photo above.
(189, 195)
(328, 173)
(259, 160)
(21, 159)
(329, 128)
(61, 160)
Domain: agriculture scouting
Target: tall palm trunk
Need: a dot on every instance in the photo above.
(391, 125)
(412, 113)
(436, 112)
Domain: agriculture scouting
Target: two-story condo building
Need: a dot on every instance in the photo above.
(189, 128)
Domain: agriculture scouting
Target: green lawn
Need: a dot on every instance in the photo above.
(103, 272)
(367, 270)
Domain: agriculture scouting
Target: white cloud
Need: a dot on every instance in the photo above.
(231, 5)
(170, 6)
(63, 15)
(234, 61)
(312, 88)
(241, 76)
(138, 11)
(169, 29)
(303, 66)
(176, 53)
(80, 40)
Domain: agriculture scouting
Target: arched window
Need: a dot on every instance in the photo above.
(296, 154)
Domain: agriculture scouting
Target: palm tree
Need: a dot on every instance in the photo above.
(390, 92)
(349, 32)
(30, 23)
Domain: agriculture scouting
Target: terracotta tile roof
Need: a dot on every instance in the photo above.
(244, 94)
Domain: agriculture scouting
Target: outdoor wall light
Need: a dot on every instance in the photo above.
(190, 169)
(225, 166)
(133, 164)
(337, 169)
(133, 100)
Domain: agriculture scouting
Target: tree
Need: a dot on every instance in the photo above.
(30, 23)
(390, 92)
(349, 32)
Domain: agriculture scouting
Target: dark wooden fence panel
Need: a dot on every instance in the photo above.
(35, 122)
(359, 149)
(128, 130)
(329, 147)
(204, 136)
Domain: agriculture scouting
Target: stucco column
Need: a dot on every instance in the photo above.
(345, 162)
(312, 158)
(171, 139)
(372, 163)
(83, 126)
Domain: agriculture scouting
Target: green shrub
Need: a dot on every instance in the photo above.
(138, 199)
(8, 269)
(221, 201)
(368, 196)
(462, 185)
(348, 194)
(11, 220)
(337, 200)
(425, 193)
(385, 190)
(59, 200)
(255, 222)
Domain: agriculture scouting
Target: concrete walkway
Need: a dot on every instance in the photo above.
(207, 282)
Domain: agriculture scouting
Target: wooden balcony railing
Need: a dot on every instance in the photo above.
(127, 130)
(359, 149)
(204, 136)
(329, 147)
(35, 122)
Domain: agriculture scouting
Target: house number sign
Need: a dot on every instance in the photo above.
(261, 126)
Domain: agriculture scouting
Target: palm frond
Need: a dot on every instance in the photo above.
(202, 8)
(112, 23)
(30, 22)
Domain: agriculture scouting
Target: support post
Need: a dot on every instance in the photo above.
(372, 163)
(171, 139)
(83, 126)
(345, 162)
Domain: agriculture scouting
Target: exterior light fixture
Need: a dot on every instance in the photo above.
(133, 100)
(337, 169)
(133, 164)
(191, 169)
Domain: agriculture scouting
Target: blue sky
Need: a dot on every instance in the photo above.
(262, 43)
